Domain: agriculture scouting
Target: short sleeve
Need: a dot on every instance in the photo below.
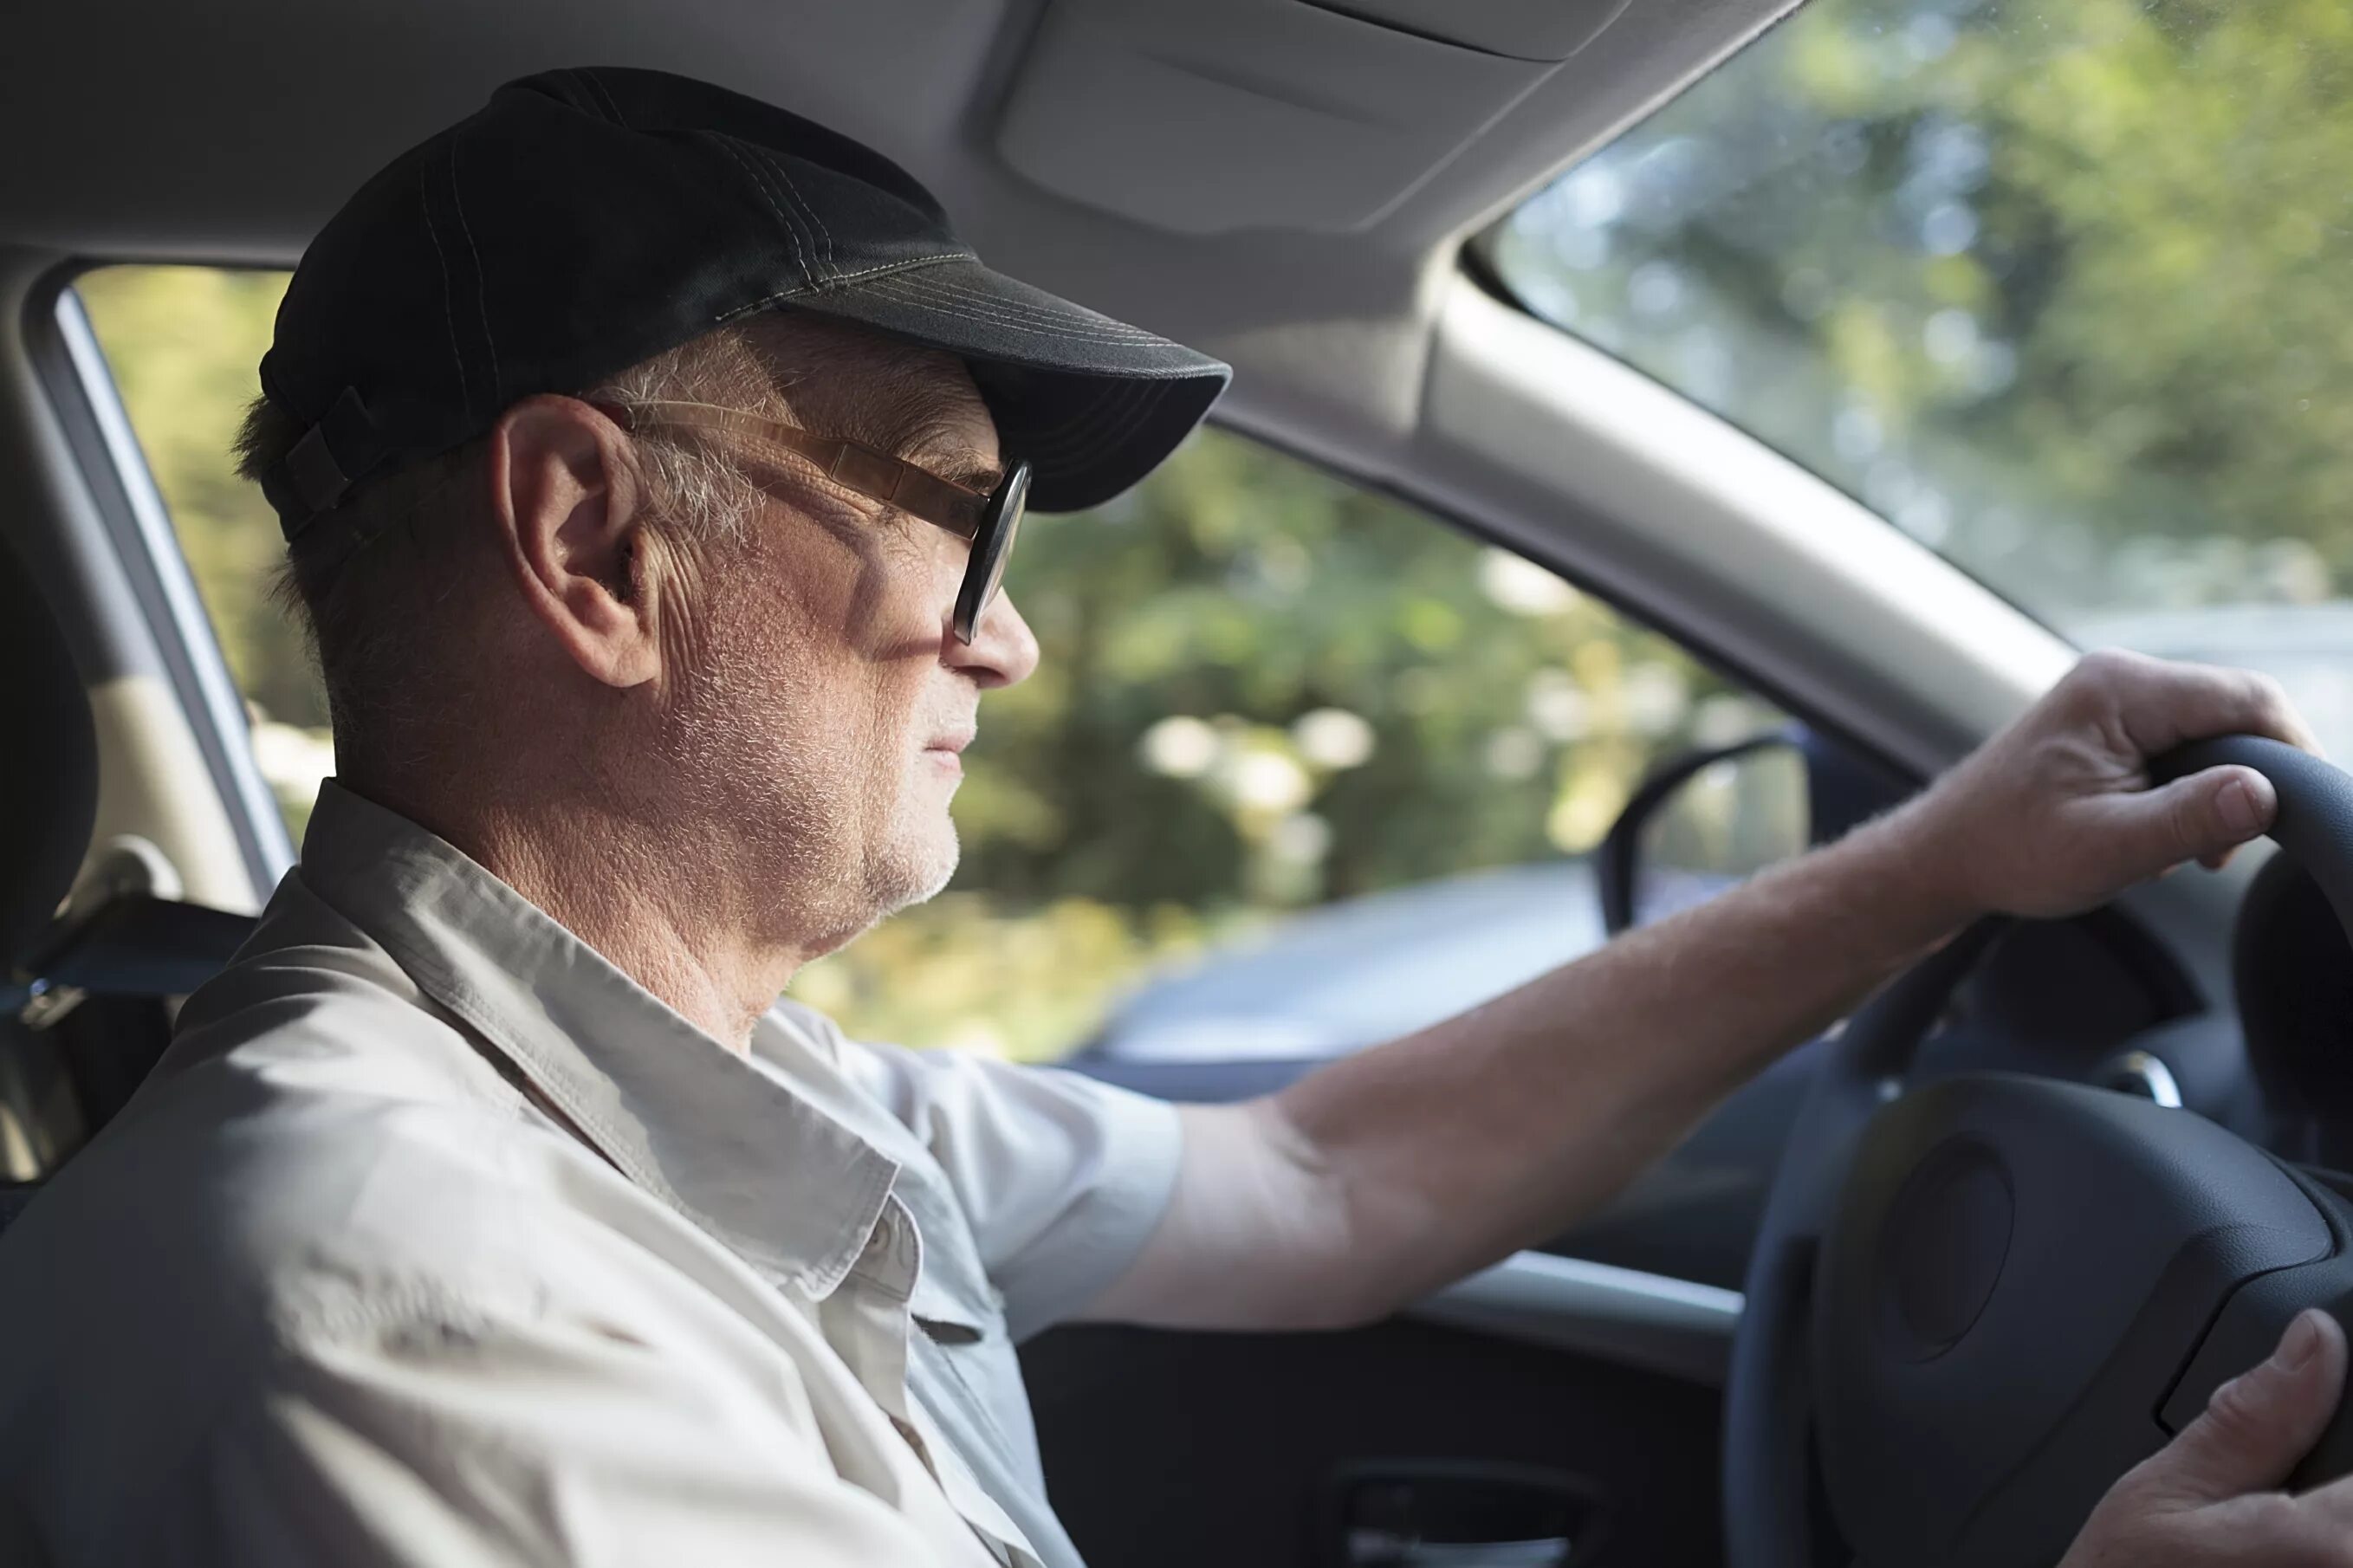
(1062, 1178)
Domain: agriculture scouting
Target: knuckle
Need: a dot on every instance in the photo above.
(2241, 1412)
(2083, 695)
(2269, 696)
(2100, 669)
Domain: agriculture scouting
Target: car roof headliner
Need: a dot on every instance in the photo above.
(229, 131)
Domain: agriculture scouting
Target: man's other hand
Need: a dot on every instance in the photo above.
(2210, 1498)
(2057, 814)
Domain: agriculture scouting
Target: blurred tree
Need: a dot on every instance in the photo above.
(2053, 287)
(1262, 687)
(183, 342)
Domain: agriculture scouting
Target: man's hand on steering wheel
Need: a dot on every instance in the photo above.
(2094, 789)
(2209, 1498)
(2055, 813)
(2049, 819)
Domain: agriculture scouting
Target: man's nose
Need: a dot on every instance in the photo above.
(1003, 649)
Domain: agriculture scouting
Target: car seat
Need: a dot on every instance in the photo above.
(85, 991)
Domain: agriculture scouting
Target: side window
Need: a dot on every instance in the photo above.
(182, 343)
(1301, 766)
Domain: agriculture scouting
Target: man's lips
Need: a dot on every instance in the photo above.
(944, 751)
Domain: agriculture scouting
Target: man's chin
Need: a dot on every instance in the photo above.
(920, 872)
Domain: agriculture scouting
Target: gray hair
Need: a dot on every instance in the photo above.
(691, 486)
(368, 583)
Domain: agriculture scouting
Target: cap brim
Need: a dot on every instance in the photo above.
(1093, 404)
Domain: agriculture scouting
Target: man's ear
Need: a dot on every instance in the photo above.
(570, 514)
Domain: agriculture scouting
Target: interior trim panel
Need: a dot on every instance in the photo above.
(1621, 1315)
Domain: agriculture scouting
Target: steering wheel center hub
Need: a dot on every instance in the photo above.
(1948, 1237)
(2013, 1279)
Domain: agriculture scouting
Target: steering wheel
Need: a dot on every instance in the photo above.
(1974, 1303)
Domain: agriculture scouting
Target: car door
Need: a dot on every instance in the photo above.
(1577, 1384)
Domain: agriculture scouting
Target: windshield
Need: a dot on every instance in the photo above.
(2064, 292)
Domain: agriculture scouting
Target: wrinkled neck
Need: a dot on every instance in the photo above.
(668, 910)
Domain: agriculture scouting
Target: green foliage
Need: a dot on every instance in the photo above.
(1245, 590)
(183, 342)
(2054, 288)
(1263, 689)
(2057, 288)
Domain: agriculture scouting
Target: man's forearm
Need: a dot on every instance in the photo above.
(1457, 1145)
(1379, 1177)
(1384, 1175)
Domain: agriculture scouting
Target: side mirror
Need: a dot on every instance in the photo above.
(1707, 818)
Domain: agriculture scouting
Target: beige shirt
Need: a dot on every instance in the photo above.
(337, 1288)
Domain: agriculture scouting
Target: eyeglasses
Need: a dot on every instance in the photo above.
(988, 521)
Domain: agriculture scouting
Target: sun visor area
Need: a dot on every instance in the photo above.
(1524, 29)
(1216, 115)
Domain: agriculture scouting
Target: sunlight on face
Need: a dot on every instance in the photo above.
(822, 718)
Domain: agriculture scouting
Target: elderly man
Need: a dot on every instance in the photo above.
(648, 458)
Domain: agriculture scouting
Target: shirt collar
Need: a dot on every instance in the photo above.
(745, 1156)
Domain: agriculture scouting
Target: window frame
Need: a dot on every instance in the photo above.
(79, 385)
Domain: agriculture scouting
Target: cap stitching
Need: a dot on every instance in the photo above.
(1013, 312)
(1091, 320)
(586, 89)
(762, 171)
(1069, 326)
(900, 290)
(771, 171)
(963, 311)
(603, 92)
(1026, 316)
(449, 310)
(1059, 310)
(481, 280)
(761, 168)
(899, 287)
(769, 157)
(903, 266)
(764, 300)
(726, 145)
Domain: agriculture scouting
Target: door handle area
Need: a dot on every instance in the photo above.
(1380, 1549)
(1450, 1513)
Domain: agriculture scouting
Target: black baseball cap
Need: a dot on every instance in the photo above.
(586, 219)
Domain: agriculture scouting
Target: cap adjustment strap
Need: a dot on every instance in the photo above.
(319, 468)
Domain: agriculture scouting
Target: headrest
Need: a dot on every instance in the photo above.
(48, 763)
